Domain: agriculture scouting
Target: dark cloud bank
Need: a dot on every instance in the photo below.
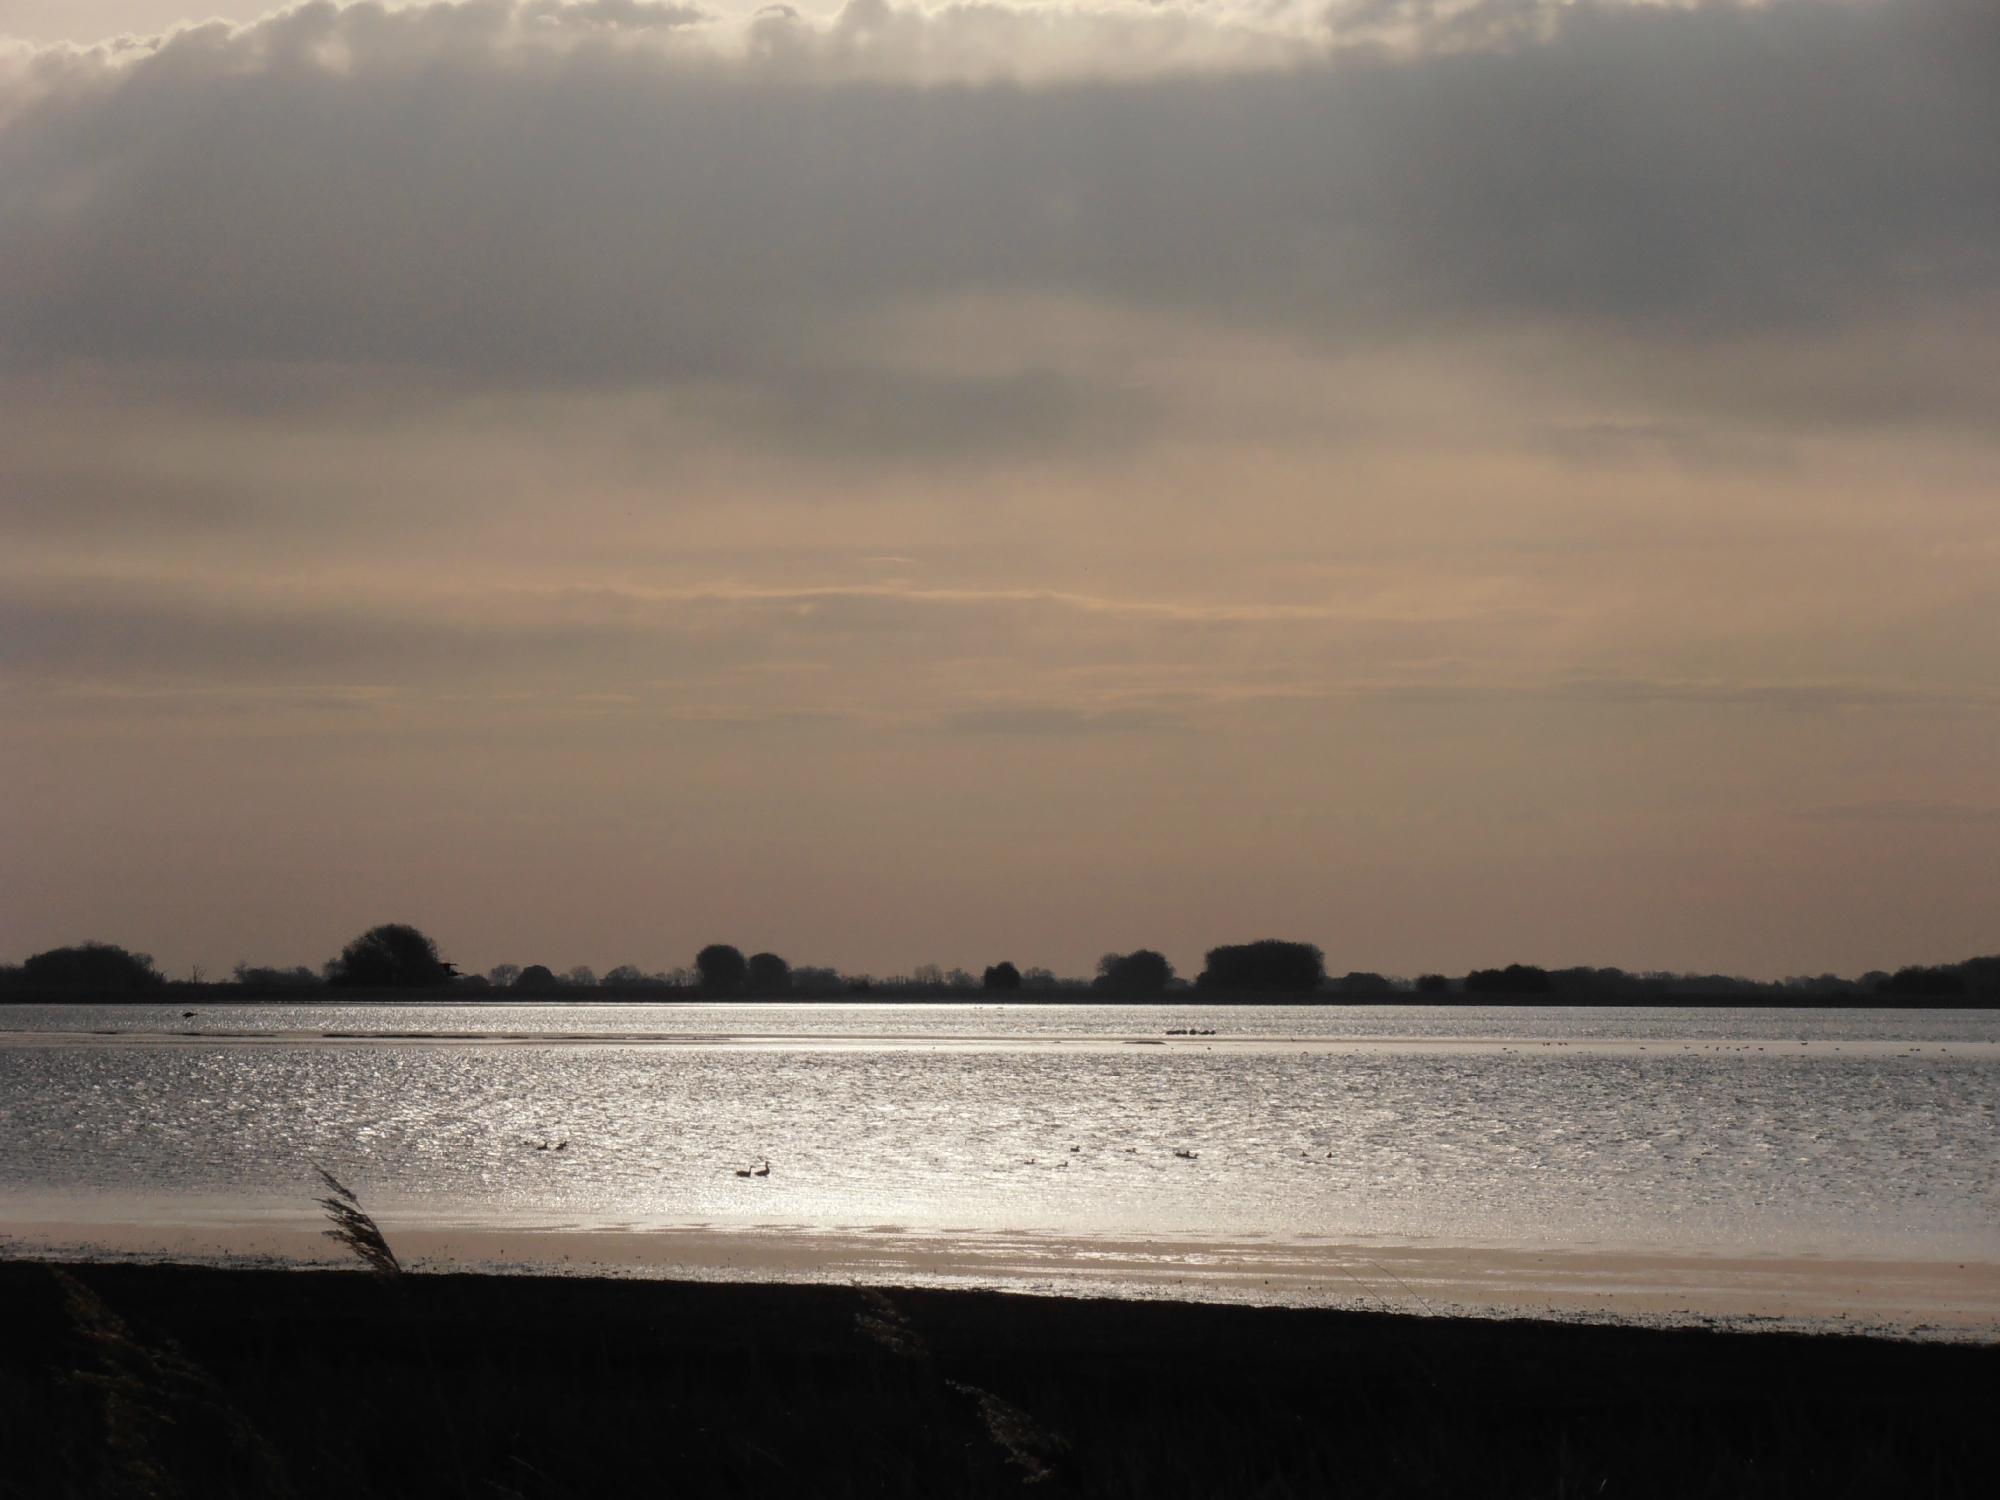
(450, 188)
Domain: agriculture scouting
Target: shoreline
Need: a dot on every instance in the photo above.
(1883, 1296)
(178, 991)
(261, 1382)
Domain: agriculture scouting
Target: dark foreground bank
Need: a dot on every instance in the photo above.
(152, 1380)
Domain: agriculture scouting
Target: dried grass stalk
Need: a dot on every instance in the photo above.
(353, 1227)
(1029, 1445)
(154, 1401)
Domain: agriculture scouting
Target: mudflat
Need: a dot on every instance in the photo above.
(1931, 1299)
(122, 1378)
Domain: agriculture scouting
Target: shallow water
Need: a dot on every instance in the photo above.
(943, 1020)
(1741, 1131)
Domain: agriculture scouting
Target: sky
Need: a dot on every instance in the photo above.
(1458, 483)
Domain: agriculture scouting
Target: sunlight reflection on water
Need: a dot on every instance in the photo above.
(1701, 1140)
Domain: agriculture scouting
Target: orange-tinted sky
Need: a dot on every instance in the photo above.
(1457, 484)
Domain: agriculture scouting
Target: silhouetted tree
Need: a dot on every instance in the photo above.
(769, 974)
(297, 978)
(101, 968)
(722, 969)
(1294, 968)
(1361, 982)
(632, 977)
(1515, 979)
(582, 977)
(392, 956)
(1917, 979)
(1133, 976)
(1039, 979)
(817, 980)
(1000, 976)
(535, 977)
(503, 976)
(1584, 981)
(1820, 984)
(1433, 984)
(1982, 975)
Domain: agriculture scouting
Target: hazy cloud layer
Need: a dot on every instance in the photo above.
(536, 191)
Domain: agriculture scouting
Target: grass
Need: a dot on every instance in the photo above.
(161, 1381)
(353, 1227)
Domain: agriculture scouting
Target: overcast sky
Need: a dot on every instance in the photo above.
(1456, 483)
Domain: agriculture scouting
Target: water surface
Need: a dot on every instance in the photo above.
(1737, 1131)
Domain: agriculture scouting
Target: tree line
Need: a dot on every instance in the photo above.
(396, 956)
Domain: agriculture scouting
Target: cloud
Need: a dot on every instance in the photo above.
(1056, 718)
(1949, 814)
(1800, 694)
(968, 660)
(522, 191)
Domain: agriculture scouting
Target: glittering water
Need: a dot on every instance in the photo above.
(1745, 1130)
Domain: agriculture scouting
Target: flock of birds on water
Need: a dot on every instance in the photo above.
(762, 1168)
(763, 1165)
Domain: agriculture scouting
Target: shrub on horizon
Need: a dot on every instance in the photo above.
(392, 956)
(1000, 976)
(299, 977)
(1921, 979)
(632, 977)
(722, 968)
(1515, 979)
(768, 974)
(1138, 975)
(1268, 964)
(104, 968)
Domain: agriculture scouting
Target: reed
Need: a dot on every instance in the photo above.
(355, 1228)
(154, 1404)
(553, 1388)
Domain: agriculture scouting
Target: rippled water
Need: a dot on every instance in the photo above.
(941, 1020)
(1870, 1131)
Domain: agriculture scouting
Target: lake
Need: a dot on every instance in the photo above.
(1511, 1157)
